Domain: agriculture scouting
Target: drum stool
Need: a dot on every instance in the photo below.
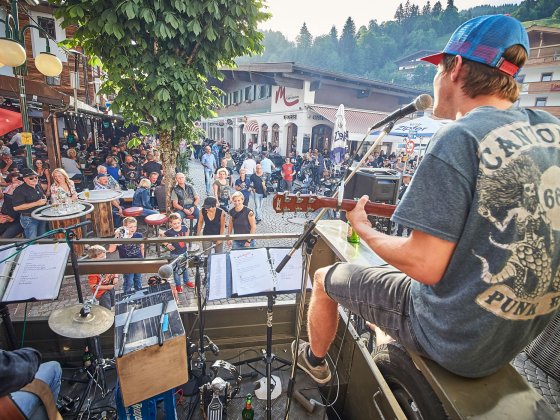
(154, 221)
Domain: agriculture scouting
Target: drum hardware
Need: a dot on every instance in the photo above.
(86, 321)
(216, 395)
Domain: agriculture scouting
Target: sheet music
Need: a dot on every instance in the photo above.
(38, 273)
(290, 276)
(251, 272)
(218, 277)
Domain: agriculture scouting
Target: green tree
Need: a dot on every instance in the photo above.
(437, 9)
(399, 13)
(304, 40)
(427, 9)
(347, 44)
(157, 56)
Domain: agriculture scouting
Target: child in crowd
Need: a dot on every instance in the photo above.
(128, 230)
(178, 248)
(106, 293)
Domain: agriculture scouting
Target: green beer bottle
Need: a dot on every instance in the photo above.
(352, 236)
(248, 413)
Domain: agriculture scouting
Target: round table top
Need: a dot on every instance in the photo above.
(100, 196)
(62, 212)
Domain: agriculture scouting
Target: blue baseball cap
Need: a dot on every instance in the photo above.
(484, 40)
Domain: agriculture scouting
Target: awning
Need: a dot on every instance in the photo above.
(356, 121)
(9, 121)
(251, 127)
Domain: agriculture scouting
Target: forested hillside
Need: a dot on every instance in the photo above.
(372, 51)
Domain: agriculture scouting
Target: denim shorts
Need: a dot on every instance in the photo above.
(380, 295)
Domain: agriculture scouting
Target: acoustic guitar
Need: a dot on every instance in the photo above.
(305, 203)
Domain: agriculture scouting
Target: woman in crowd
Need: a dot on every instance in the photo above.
(70, 164)
(141, 197)
(44, 176)
(211, 221)
(230, 162)
(9, 218)
(242, 186)
(258, 185)
(112, 168)
(221, 188)
(62, 189)
(242, 221)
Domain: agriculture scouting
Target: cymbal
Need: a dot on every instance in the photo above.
(72, 322)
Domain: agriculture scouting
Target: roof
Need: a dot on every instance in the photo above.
(292, 74)
(415, 55)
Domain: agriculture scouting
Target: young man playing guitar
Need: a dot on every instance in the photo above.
(477, 279)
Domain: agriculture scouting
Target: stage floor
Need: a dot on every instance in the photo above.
(189, 407)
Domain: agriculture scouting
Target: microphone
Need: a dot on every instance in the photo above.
(421, 103)
(166, 270)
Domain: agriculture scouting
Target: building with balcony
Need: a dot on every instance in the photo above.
(540, 77)
(294, 107)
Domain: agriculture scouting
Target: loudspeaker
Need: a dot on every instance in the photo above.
(382, 185)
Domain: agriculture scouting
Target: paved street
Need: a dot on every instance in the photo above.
(272, 222)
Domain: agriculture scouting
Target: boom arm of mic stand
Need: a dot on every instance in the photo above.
(311, 225)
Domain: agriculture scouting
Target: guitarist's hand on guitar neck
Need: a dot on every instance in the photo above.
(358, 216)
(306, 203)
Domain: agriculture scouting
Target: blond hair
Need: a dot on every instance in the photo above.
(174, 216)
(145, 182)
(237, 194)
(95, 251)
(129, 221)
(64, 175)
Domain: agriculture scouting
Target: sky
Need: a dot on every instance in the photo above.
(289, 15)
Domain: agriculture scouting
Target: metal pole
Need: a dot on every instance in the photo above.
(76, 81)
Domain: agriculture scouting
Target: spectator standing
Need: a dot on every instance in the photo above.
(210, 165)
(267, 167)
(28, 197)
(242, 185)
(184, 198)
(249, 165)
(129, 250)
(142, 197)
(10, 226)
(106, 293)
(212, 221)
(288, 174)
(178, 229)
(221, 188)
(242, 221)
(258, 185)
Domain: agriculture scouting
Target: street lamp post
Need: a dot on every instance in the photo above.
(13, 54)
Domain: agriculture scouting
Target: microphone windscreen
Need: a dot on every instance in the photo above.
(165, 271)
(423, 102)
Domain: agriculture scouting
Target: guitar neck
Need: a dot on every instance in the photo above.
(375, 209)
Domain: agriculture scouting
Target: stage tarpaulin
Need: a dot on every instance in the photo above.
(9, 121)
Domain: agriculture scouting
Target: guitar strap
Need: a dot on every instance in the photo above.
(10, 410)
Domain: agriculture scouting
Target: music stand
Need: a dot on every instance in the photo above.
(269, 358)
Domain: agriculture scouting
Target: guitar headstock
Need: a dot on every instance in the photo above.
(305, 203)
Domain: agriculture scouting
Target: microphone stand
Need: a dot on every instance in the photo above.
(304, 238)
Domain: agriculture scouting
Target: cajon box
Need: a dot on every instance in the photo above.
(147, 369)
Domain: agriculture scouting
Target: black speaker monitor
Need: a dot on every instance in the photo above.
(381, 185)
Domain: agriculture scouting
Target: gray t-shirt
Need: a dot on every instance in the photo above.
(490, 182)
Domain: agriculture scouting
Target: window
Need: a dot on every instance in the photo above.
(53, 81)
(73, 80)
(546, 77)
(236, 97)
(540, 102)
(47, 24)
(262, 91)
(249, 93)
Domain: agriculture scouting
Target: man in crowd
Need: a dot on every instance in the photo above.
(267, 167)
(110, 183)
(23, 375)
(288, 173)
(184, 198)
(151, 166)
(464, 288)
(130, 170)
(28, 197)
(209, 162)
(249, 164)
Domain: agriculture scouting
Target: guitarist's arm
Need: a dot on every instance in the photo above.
(421, 256)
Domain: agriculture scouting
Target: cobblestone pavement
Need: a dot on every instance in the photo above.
(271, 223)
